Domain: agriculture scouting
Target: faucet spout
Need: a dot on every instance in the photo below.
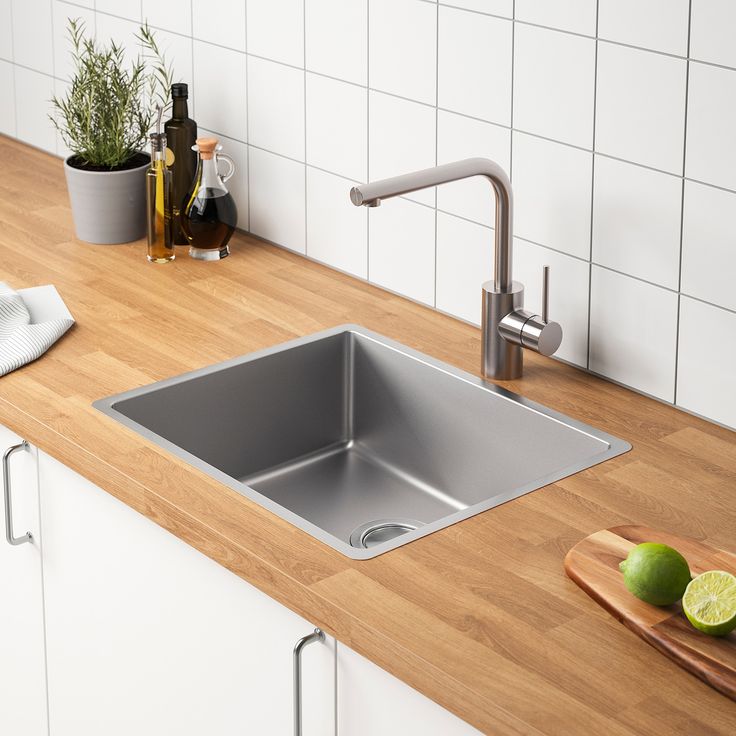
(370, 195)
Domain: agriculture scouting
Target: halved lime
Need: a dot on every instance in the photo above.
(710, 602)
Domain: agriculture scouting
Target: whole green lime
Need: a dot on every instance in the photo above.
(655, 573)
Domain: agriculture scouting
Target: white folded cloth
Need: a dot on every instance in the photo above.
(31, 321)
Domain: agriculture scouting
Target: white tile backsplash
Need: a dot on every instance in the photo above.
(170, 15)
(397, 85)
(659, 25)
(225, 27)
(277, 199)
(32, 108)
(552, 187)
(577, 16)
(460, 137)
(7, 93)
(711, 32)
(640, 106)
(554, 82)
(401, 138)
(633, 333)
(709, 245)
(337, 127)
(636, 221)
(337, 232)
(337, 38)
(402, 249)
(276, 107)
(402, 41)
(33, 34)
(220, 99)
(6, 31)
(276, 30)
(711, 122)
(504, 8)
(474, 65)
(705, 375)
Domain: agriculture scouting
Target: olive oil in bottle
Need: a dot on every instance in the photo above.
(210, 214)
(158, 198)
(181, 134)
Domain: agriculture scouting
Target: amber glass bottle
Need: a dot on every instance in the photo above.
(181, 133)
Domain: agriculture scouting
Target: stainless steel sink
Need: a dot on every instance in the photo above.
(360, 441)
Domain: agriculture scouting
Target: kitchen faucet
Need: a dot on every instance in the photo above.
(506, 326)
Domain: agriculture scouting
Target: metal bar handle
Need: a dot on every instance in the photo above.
(316, 635)
(27, 537)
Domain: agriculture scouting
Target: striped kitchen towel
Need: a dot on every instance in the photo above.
(31, 321)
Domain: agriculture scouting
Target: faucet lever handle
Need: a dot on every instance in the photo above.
(545, 294)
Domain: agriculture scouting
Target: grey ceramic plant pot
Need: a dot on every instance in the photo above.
(108, 206)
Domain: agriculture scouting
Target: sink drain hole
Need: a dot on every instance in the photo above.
(383, 530)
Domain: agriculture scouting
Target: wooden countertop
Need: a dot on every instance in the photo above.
(479, 616)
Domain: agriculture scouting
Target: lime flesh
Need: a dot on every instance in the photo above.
(656, 573)
(710, 602)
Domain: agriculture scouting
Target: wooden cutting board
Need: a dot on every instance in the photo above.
(593, 565)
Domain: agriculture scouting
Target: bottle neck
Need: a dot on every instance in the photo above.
(208, 175)
(180, 109)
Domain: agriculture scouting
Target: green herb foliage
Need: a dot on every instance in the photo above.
(106, 115)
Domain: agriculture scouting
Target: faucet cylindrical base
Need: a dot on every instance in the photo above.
(501, 359)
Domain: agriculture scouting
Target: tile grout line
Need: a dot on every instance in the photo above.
(592, 185)
(682, 201)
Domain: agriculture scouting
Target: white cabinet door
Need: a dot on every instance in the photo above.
(23, 708)
(147, 636)
(371, 701)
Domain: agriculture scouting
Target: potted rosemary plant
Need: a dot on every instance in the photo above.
(104, 120)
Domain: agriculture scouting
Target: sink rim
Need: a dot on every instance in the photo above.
(616, 446)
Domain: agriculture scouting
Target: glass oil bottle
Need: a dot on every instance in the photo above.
(209, 214)
(158, 202)
(181, 135)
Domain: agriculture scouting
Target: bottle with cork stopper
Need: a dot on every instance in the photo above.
(209, 214)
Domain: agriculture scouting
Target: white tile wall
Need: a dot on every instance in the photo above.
(474, 65)
(705, 376)
(276, 30)
(577, 16)
(554, 81)
(711, 35)
(640, 106)
(553, 189)
(276, 102)
(636, 221)
(621, 150)
(711, 121)
(401, 249)
(7, 93)
(659, 25)
(709, 245)
(401, 137)
(337, 232)
(337, 126)
(633, 332)
(337, 38)
(32, 34)
(403, 48)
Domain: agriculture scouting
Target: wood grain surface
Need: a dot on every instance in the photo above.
(593, 564)
(479, 616)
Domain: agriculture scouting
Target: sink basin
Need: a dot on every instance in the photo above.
(358, 440)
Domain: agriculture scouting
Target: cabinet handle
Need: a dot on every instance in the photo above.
(27, 537)
(316, 635)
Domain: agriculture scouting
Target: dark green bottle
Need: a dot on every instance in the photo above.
(181, 133)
